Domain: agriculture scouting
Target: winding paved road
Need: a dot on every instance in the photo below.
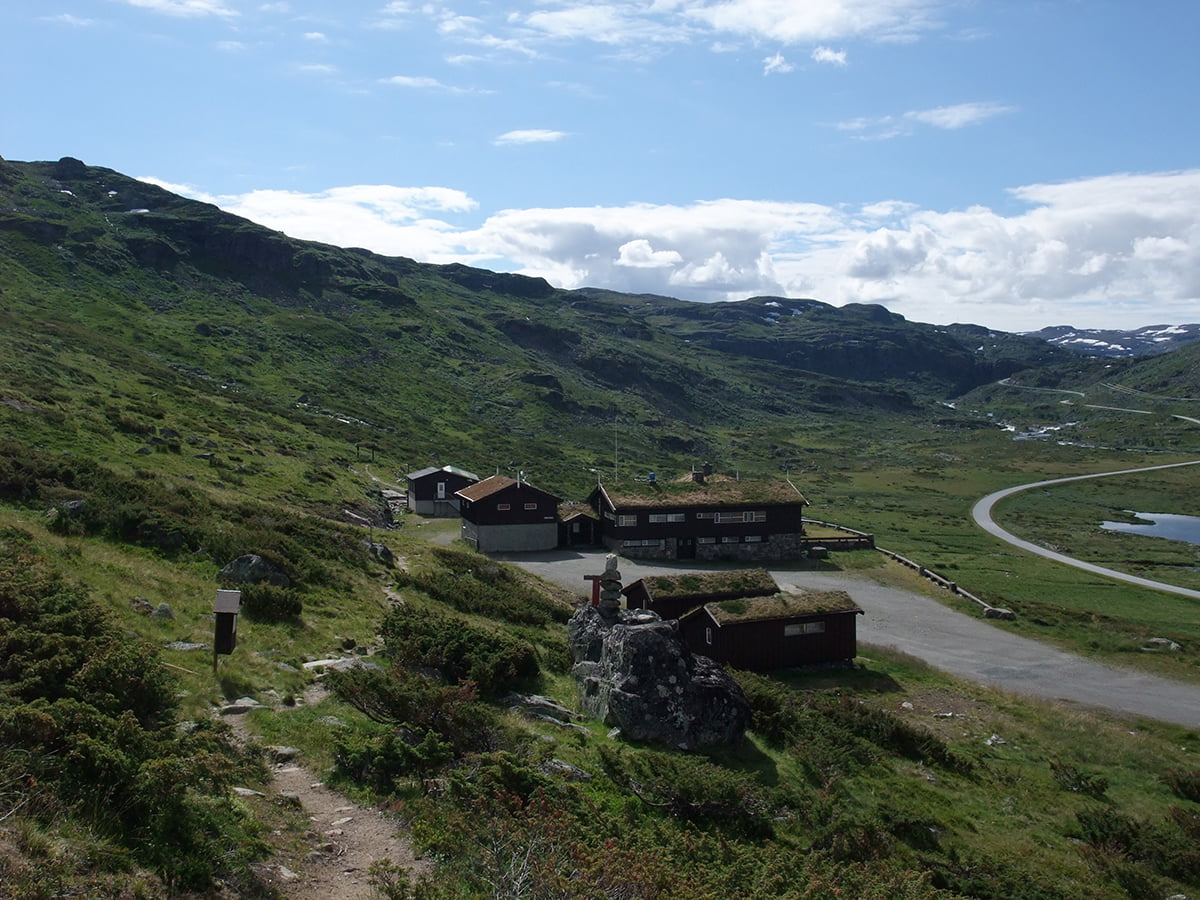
(963, 645)
(982, 513)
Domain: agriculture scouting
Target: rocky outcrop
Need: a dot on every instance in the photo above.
(635, 672)
(252, 569)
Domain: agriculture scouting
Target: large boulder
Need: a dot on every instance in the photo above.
(635, 672)
(253, 569)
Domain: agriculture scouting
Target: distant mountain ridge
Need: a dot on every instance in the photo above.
(498, 366)
(1117, 343)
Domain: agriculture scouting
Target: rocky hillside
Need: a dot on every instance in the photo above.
(1148, 341)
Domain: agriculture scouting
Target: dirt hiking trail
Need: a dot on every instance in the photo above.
(333, 857)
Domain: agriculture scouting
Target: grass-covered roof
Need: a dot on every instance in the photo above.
(782, 606)
(734, 582)
(713, 491)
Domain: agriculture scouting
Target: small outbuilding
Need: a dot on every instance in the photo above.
(432, 491)
(502, 514)
(671, 596)
(780, 631)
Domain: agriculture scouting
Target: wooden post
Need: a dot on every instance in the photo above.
(595, 580)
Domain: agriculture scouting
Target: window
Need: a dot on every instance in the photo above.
(612, 517)
(657, 518)
(730, 539)
(803, 628)
(441, 490)
(650, 543)
(706, 515)
(531, 506)
(626, 520)
(752, 538)
(503, 506)
(757, 515)
(706, 540)
(708, 635)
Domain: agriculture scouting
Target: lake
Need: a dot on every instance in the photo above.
(1164, 525)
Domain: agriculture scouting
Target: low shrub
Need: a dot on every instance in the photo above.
(1184, 783)
(458, 649)
(269, 603)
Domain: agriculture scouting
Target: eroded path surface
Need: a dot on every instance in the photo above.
(343, 840)
(963, 645)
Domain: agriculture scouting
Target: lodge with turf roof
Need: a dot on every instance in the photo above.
(779, 631)
(702, 517)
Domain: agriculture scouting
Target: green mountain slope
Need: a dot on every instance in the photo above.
(498, 369)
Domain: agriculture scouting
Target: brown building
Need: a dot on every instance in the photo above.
(431, 491)
(776, 632)
(702, 518)
(501, 514)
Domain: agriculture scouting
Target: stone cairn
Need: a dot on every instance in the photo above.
(636, 673)
(610, 590)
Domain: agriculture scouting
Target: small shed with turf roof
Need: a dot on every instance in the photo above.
(779, 631)
(673, 595)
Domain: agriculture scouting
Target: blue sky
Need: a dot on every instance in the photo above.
(1015, 164)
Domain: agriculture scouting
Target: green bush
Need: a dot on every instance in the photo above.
(270, 603)
(473, 583)
(87, 724)
(457, 648)
(1184, 783)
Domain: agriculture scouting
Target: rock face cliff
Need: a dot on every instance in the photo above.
(635, 672)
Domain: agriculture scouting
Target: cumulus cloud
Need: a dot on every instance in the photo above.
(185, 8)
(776, 64)
(829, 56)
(1120, 250)
(530, 136)
(394, 221)
(640, 254)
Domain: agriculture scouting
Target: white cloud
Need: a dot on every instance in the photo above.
(1120, 250)
(793, 22)
(395, 221)
(316, 36)
(959, 115)
(776, 64)
(829, 56)
(640, 254)
(948, 118)
(318, 68)
(185, 8)
(606, 23)
(68, 19)
(529, 136)
(231, 46)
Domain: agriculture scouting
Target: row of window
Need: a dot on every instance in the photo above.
(505, 506)
(720, 518)
(727, 539)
